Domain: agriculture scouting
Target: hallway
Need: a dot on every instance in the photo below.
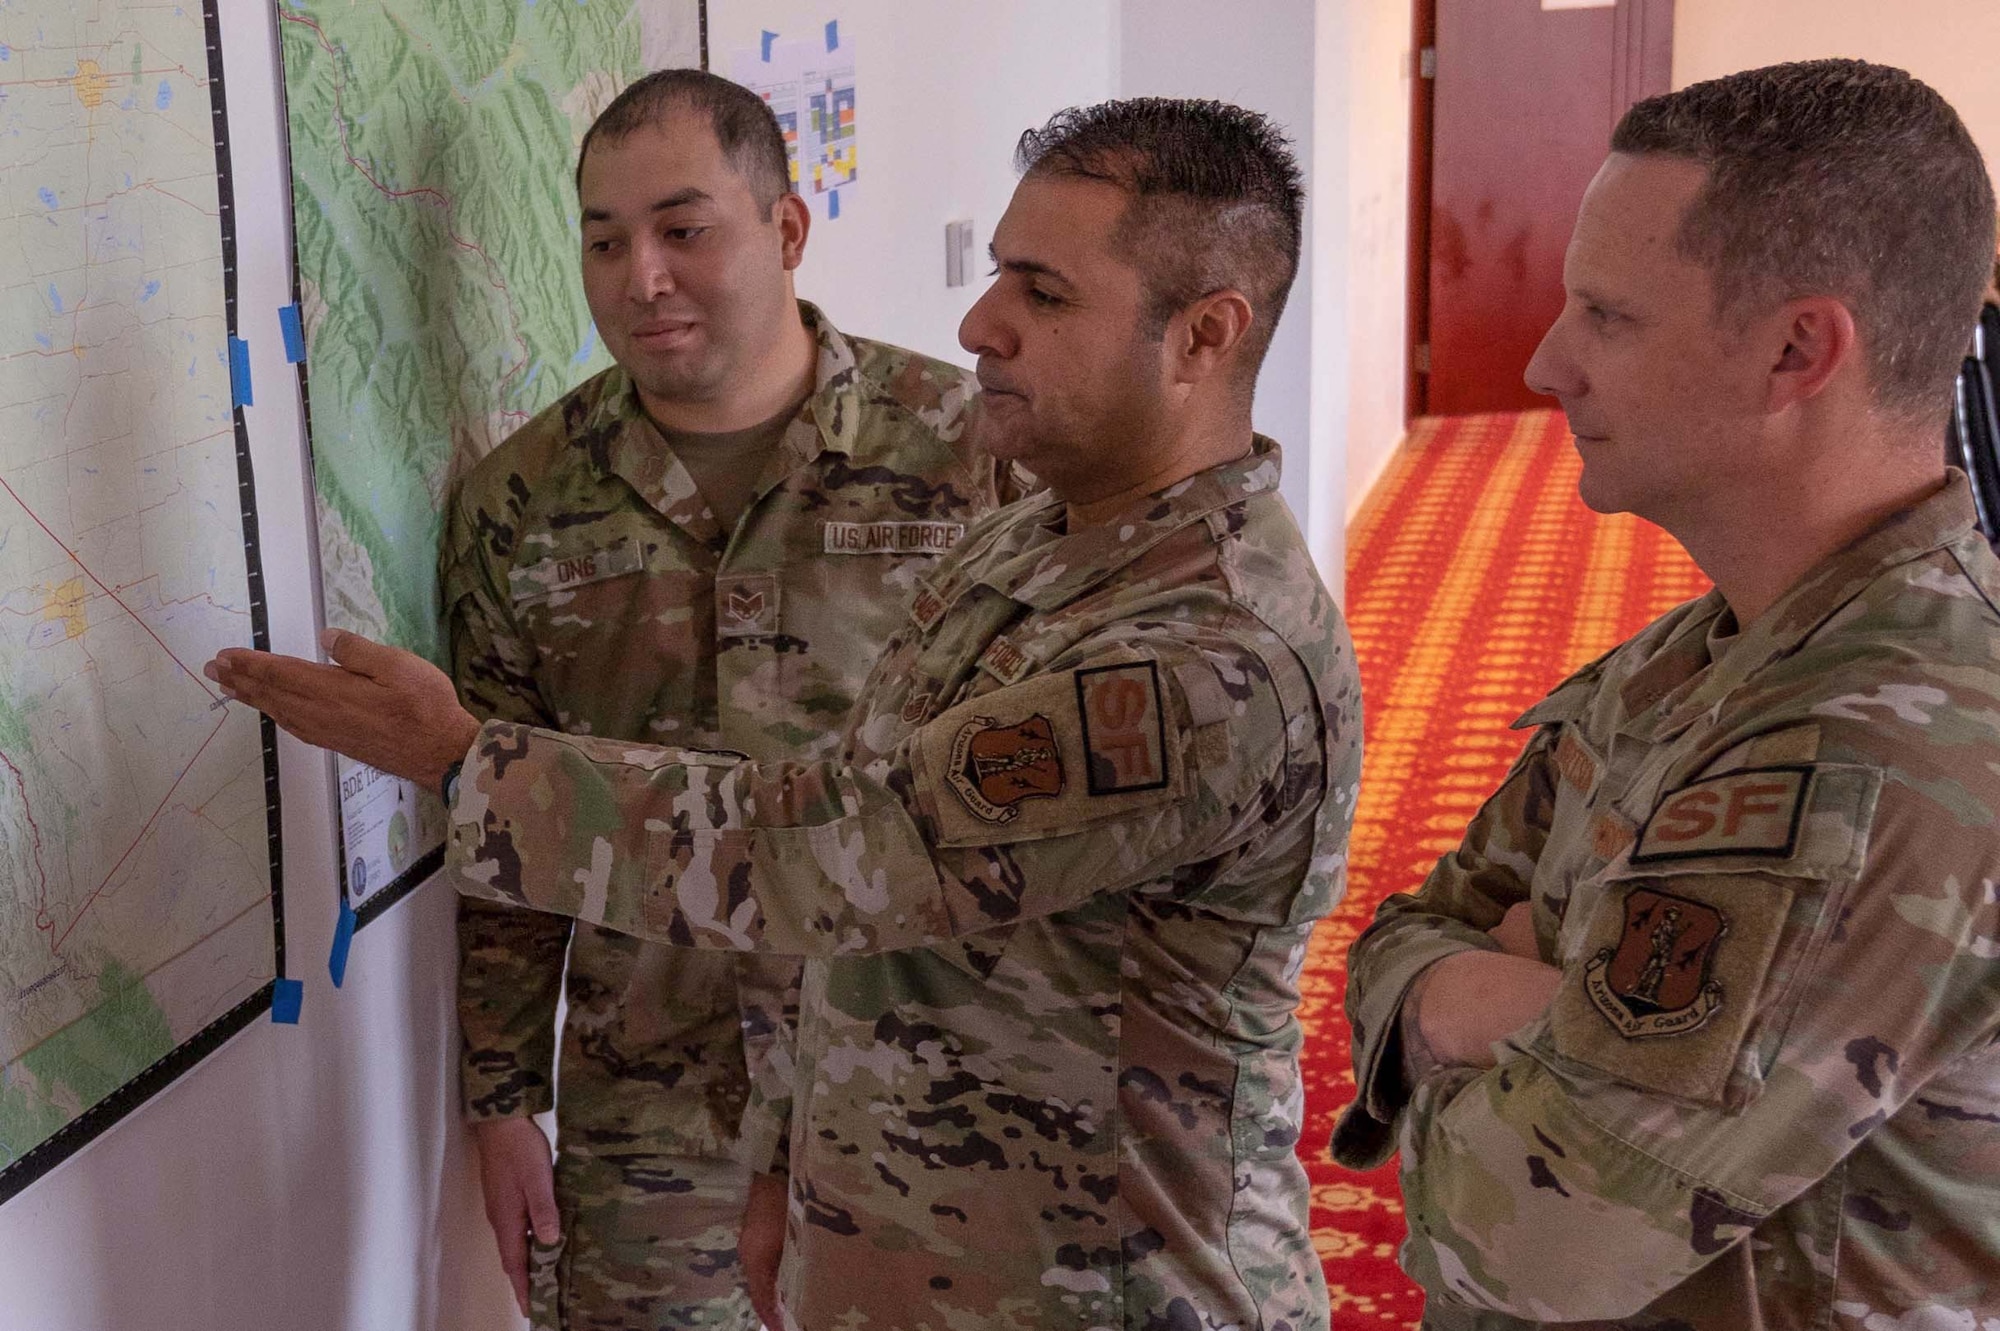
(1476, 580)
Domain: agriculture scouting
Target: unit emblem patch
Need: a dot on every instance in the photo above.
(1658, 980)
(994, 767)
(1752, 811)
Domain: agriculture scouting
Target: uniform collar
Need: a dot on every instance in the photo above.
(1930, 524)
(623, 441)
(1055, 568)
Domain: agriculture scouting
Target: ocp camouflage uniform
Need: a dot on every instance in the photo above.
(590, 589)
(1767, 1093)
(1056, 891)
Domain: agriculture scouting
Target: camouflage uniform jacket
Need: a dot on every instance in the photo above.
(589, 589)
(1767, 1093)
(1056, 891)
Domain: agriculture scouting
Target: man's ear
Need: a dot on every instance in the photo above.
(794, 221)
(1819, 342)
(1208, 332)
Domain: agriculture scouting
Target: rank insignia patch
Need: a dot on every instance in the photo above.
(994, 767)
(1657, 980)
(746, 605)
(1124, 731)
(1752, 811)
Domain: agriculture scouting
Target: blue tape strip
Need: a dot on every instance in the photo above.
(239, 373)
(832, 205)
(343, 940)
(833, 35)
(769, 37)
(295, 335)
(287, 997)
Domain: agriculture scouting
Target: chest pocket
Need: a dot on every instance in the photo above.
(1685, 954)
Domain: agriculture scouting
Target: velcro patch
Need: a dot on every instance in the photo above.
(1005, 662)
(891, 538)
(1015, 763)
(564, 572)
(928, 607)
(746, 605)
(1753, 811)
(1124, 730)
(1575, 762)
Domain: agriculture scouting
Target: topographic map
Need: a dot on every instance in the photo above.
(137, 818)
(432, 142)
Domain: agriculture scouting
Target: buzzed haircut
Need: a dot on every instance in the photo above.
(743, 123)
(1837, 178)
(1217, 200)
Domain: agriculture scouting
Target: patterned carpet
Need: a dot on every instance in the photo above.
(1475, 581)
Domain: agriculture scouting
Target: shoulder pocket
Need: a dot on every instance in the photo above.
(1686, 975)
(1053, 754)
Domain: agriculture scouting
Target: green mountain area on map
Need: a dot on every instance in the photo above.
(438, 252)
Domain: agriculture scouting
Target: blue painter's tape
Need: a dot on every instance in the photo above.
(769, 37)
(295, 335)
(343, 940)
(832, 205)
(239, 373)
(287, 997)
(833, 35)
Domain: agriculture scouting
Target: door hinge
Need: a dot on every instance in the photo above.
(1420, 358)
(1427, 62)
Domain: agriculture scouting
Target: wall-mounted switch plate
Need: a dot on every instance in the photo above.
(958, 253)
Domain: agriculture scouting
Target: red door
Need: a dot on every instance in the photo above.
(1525, 96)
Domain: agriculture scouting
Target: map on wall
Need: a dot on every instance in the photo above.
(139, 921)
(432, 142)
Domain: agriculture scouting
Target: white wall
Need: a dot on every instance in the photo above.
(1949, 44)
(944, 88)
(1259, 54)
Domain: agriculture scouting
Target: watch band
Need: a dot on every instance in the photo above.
(450, 782)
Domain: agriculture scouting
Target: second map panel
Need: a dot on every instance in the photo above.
(432, 142)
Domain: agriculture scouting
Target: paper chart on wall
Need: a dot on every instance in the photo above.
(810, 86)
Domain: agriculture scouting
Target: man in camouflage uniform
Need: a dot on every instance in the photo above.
(603, 577)
(1697, 1027)
(1057, 886)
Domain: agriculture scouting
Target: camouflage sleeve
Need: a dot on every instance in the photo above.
(767, 996)
(1465, 895)
(510, 962)
(1023, 802)
(1786, 958)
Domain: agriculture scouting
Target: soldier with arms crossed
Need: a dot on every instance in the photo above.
(1696, 1028)
(706, 545)
(1057, 885)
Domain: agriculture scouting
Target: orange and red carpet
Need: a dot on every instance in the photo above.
(1476, 580)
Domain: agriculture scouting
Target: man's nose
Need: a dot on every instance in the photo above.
(983, 332)
(1550, 372)
(651, 275)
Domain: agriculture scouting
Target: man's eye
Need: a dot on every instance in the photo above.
(597, 246)
(684, 232)
(1043, 298)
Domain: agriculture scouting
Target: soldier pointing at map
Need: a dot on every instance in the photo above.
(1057, 883)
(1727, 1057)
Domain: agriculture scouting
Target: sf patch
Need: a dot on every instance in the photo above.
(1751, 811)
(1658, 980)
(1124, 731)
(995, 766)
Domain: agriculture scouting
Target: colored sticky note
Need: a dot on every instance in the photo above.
(287, 997)
(769, 38)
(833, 34)
(832, 204)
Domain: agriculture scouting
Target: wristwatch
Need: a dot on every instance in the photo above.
(450, 783)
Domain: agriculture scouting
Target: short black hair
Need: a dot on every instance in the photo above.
(1837, 178)
(1217, 199)
(743, 123)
